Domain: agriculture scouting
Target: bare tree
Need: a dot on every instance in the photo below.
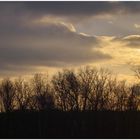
(7, 95)
(136, 70)
(94, 84)
(86, 77)
(110, 90)
(66, 88)
(133, 99)
(121, 96)
(101, 85)
(86, 89)
(41, 90)
(23, 94)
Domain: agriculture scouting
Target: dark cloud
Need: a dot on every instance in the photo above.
(61, 8)
(71, 8)
(48, 45)
(82, 8)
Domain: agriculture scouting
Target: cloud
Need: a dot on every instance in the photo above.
(132, 41)
(63, 9)
(40, 34)
(137, 26)
(82, 8)
(50, 44)
(132, 37)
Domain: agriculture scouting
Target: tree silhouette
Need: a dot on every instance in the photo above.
(22, 94)
(133, 100)
(87, 77)
(42, 92)
(66, 88)
(7, 95)
(88, 88)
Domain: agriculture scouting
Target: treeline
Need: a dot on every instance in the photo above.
(85, 89)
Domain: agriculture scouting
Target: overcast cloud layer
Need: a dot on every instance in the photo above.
(48, 45)
(59, 34)
(71, 8)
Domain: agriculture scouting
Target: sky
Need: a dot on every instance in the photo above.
(48, 36)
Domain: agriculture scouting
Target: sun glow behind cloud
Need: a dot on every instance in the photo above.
(122, 56)
(137, 26)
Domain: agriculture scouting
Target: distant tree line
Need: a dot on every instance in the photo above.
(86, 89)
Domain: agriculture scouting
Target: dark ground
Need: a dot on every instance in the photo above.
(57, 124)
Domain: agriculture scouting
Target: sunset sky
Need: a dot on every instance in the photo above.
(48, 36)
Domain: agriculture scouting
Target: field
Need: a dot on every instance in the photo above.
(57, 124)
